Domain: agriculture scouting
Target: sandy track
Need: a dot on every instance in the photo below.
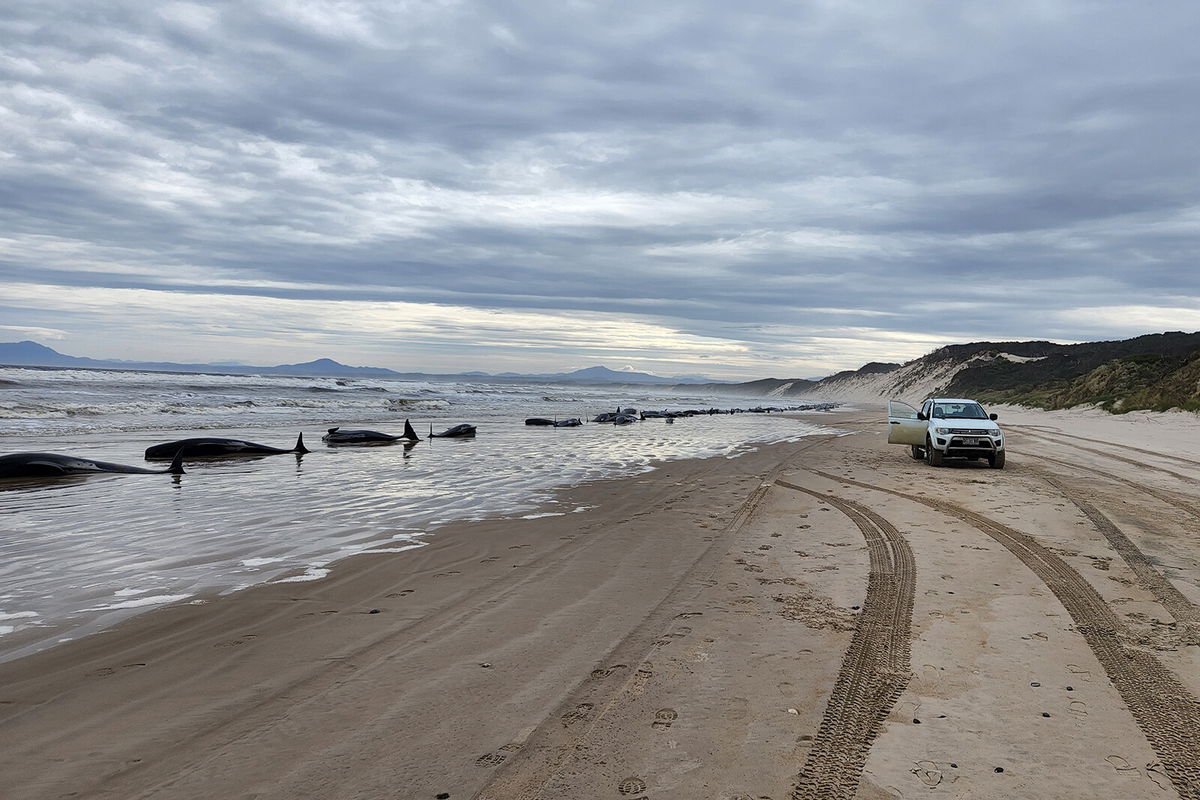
(1180, 607)
(1167, 713)
(875, 669)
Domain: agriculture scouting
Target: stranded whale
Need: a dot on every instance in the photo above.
(53, 465)
(205, 447)
(339, 436)
(457, 432)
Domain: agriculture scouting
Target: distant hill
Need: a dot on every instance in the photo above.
(28, 353)
(1153, 372)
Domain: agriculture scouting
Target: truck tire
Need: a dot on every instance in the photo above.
(933, 455)
(918, 452)
(996, 461)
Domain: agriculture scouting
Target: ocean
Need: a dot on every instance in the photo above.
(79, 554)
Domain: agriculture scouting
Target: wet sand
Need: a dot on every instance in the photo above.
(825, 618)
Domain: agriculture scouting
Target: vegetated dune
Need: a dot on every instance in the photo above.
(1154, 372)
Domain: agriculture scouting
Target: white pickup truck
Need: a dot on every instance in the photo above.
(946, 427)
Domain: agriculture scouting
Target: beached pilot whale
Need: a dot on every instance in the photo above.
(53, 465)
(207, 447)
(339, 436)
(457, 432)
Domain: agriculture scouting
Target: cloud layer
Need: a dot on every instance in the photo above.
(744, 190)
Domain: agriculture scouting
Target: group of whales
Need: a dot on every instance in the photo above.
(55, 465)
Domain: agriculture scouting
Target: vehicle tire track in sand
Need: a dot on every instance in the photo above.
(1174, 601)
(1141, 487)
(1044, 431)
(875, 669)
(1115, 457)
(1167, 713)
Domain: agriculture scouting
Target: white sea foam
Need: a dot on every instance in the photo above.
(141, 602)
(259, 562)
(310, 574)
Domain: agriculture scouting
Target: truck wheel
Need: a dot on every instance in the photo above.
(918, 452)
(933, 455)
(997, 461)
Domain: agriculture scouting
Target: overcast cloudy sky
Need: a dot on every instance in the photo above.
(736, 189)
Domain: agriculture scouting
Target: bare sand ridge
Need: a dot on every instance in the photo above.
(822, 619)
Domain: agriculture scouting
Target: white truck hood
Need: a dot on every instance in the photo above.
(980, 425)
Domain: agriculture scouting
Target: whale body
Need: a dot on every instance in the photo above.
(340, 436)
(457, 432)
(55, 465)
(211, 447)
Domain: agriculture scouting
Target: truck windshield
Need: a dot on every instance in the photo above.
(959, 411)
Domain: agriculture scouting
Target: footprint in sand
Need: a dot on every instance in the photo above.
(687, 614)
(642, 677)
(1078, 707)
(631, 785)
(604, 672)
(663, 718)
(237, 642)
(1121, 765)
(1156, 773)
(928, 772)
(400, 593)
(490, 760)
(489, 559)
(104, 672)
(580, 712)
(447, 574)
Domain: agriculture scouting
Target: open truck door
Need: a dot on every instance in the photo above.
(903, 425)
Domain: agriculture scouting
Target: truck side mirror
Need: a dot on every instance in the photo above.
(921, 416)
(993, 417)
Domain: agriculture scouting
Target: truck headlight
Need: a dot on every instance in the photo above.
(942, 431)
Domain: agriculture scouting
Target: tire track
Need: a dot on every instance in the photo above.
(1167, 713)
(1115, 457)
(1169, 597)
(875, 669)
(1150, 490)
(1054, 432)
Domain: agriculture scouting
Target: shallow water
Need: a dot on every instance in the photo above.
(81, 553)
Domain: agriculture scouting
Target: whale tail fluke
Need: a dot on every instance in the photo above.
(300, 448)
(176, 467)
(409, 433)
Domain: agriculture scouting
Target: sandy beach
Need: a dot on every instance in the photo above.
(817, 619)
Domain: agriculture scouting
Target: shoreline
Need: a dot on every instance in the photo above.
(227, 525)
(684, 637)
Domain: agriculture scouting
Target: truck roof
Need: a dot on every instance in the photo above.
(952, 400)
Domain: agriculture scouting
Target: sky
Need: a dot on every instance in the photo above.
(737, 190)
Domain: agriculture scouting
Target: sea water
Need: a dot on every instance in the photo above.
(79, 554)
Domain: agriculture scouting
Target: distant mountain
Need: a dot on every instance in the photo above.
(28, 353)
(326, 366)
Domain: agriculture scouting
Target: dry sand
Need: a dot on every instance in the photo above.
(821, 619)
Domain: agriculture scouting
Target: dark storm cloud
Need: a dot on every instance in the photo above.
(905, 173)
